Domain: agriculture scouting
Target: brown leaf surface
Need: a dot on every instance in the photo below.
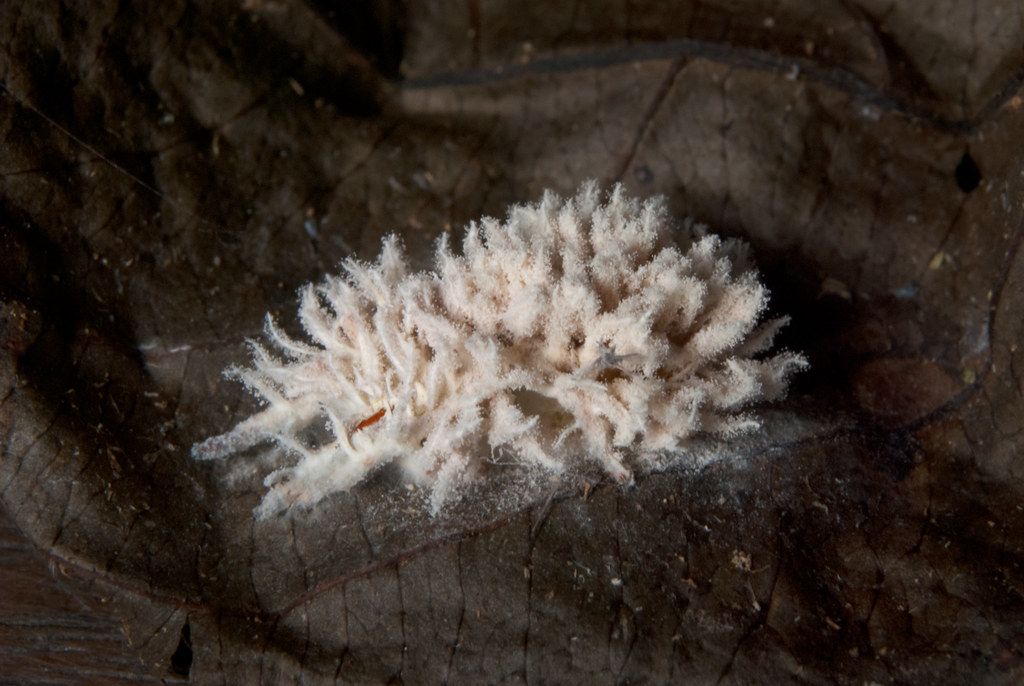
(171, 171)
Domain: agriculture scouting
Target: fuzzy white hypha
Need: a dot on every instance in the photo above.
(587, 329)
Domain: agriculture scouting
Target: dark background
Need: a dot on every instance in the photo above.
(171, 171)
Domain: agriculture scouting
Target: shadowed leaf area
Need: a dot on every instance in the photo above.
(172, 171)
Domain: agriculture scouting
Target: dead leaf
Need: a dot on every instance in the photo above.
(170, 172)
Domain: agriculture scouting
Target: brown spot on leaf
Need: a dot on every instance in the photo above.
(902, 389)
(19, 327)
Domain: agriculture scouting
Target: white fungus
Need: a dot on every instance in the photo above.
(587, 329)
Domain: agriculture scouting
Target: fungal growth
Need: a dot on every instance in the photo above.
(582, 329)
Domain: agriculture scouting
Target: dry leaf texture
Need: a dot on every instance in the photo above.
(172, 171)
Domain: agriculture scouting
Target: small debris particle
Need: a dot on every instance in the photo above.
(423, 180)
(941, 257)
(525, 53)
(833, 286)
(870, 112)
(741, 560)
